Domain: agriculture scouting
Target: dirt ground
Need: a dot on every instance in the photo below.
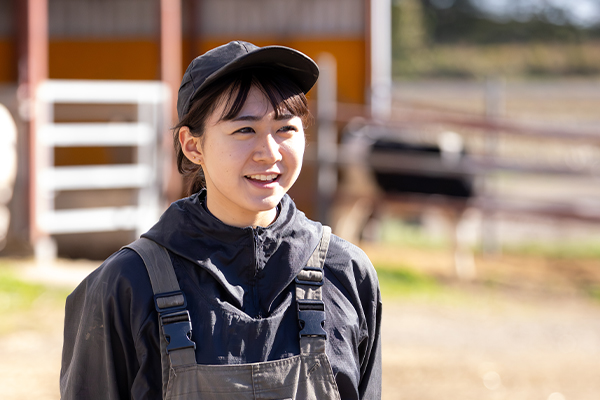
(523, 329)
(498, 347)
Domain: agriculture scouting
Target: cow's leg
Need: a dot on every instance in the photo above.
(464, 260)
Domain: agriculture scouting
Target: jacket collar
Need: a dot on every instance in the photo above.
(260, 260)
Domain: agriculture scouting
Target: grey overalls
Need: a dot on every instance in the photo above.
(303, 377)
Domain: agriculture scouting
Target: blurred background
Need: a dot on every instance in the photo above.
(455, 141)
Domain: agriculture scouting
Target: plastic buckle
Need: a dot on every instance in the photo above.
(312, 283)
(177, 328)
(311, 317)
(165, 310)
(312, 322)
(310, 304)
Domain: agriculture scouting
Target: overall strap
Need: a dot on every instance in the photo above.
(311, 309)
(169, 301)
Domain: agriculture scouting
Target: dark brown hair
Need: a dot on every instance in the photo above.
(283, 94)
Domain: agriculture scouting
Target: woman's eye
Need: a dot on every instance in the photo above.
(288, 128)
(246, 129)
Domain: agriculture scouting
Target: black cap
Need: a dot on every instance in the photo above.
(239, 55)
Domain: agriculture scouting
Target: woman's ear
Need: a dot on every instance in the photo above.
(190, 145)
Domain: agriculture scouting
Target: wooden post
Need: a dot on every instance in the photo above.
(170, 46)
(381, 58)
(171, 73)
(326, 135)
(494, 108)
(33, 69)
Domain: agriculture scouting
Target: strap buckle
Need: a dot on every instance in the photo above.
(312, 276)
(311, 317)
(312, 322)
(177, 329)
(168, 302)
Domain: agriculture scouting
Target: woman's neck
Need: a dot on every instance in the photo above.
(259, 219)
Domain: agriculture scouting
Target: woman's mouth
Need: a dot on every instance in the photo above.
(263, 178)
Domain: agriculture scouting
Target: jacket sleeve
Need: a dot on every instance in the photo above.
(104, 355)
(356, 278)
(370, 349)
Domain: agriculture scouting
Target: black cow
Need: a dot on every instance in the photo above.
(404, 181)
(389, 172)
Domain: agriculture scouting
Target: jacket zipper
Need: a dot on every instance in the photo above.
(254, 278)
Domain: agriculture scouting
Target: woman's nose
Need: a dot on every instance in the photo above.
(267, 150)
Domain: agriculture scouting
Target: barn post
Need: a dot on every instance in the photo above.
(494, 108)
(33, 70)
(171, 72)
(326, 135)
(380, 45)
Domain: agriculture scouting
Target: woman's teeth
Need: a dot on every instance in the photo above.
(263, 178)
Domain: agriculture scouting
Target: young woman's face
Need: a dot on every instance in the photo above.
(249, 162)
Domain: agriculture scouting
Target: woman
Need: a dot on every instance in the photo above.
(251, 300)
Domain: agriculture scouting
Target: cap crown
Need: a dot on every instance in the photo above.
(238, 55)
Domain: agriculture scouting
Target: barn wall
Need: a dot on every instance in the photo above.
(311, 26)
(119, 39)
(101, 19)
(317, 18)
(8, 64)
(104, 59)
(139, 59)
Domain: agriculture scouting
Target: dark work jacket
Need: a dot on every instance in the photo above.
(111, 342)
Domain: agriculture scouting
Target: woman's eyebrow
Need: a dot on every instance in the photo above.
(279, 117)
(283, 116)
(246, 118)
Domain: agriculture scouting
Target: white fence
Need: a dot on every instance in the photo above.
(143, 174)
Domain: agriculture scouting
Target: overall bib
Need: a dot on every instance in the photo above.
(306, 376)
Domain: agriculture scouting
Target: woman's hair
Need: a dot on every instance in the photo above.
(283, 94)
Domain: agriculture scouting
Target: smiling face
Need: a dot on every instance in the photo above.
(249, 161)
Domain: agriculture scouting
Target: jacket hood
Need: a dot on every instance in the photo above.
(253, 265)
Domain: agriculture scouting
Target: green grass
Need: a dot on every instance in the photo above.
(563, 251)
(16, 294)
(19, 300)
(400, 281)
(515, 60)
(593, 291)
(396, 231)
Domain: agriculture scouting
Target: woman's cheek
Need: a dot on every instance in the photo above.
(297, 145)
